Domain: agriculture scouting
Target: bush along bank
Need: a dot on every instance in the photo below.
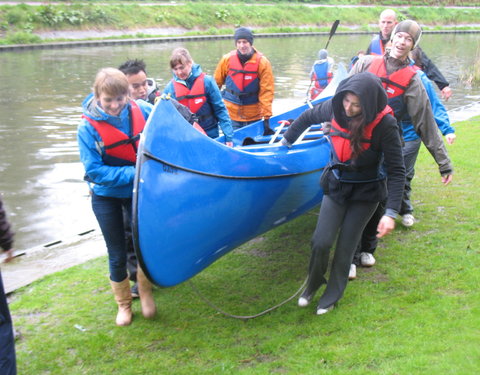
(22, 23)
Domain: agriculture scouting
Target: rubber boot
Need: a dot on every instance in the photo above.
(123, 296)
(146, 296)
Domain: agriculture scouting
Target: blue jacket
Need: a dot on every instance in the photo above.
(108, 181)
(439, 112)
(214, 97)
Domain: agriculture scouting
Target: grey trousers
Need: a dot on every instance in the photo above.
(345, 223)
(410, 153)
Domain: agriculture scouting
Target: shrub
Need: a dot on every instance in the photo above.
(15, 16)
(22, 37)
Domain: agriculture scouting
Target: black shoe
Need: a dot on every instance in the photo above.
(134, 291)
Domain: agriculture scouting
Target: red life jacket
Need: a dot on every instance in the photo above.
(196, 100)
(340, 137)
(242, 84)
(241, 75)
(116, 143)
(193, 98)
(396, 83)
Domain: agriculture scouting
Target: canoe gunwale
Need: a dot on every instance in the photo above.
(289, 175)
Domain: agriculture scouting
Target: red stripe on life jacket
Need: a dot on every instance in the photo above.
(193, 98)
(110, 135)
(396, 83)
(243, 75)
(340, 137)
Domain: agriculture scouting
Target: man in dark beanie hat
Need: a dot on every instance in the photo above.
(381, 41)
(243, 33)
(409, 100)
(249, 83)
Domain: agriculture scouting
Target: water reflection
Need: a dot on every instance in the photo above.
(40, 105)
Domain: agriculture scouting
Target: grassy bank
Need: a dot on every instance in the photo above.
(416, 312)
(20, 24)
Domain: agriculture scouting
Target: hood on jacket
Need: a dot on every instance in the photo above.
(368, 87)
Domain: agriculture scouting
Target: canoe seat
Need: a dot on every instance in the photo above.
(265, 141)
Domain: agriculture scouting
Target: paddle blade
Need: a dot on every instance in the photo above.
(332, 31)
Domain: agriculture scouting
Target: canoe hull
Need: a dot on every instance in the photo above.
(196, 199)
(188, 232)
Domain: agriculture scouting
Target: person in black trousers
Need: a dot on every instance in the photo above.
(364, 135)
(7, 341)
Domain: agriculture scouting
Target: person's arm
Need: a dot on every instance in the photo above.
(221, 71)
(266, 91)
(6, 234)
(390, 143)
(319, 113)
(95, 168)
(420, 111)
(169, 89)
(439, 111)
(214, 97)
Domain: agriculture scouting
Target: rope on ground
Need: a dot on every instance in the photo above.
(245, 317)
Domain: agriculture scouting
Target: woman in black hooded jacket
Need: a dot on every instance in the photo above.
(366, 149)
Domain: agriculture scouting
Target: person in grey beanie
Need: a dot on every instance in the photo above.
(409, 100)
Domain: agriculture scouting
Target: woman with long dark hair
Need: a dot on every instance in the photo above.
(366, 149)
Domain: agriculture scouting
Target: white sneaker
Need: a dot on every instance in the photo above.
(302, 302)
(352, 274)
(408, 220)
(367, 259)
(321, 311)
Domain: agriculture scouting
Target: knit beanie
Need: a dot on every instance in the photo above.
(410, 27)
(243, 33)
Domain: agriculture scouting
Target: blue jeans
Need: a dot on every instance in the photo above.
(410, 153)
(8, 364)
(109, 213)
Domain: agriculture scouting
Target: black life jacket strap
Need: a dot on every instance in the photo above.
(391, 83)
(131, 140)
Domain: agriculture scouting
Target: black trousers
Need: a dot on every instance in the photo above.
(8, 364)
(343, 223)
(369, 241)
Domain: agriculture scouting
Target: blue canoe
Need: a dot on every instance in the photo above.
(196, 199)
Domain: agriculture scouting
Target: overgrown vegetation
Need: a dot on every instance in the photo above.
(213, 18)
(416, 312)
(472, 76)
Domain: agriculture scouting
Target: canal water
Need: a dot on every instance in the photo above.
(40, 106)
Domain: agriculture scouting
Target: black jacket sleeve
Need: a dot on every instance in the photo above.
(6, 235)
(320, 113)
(390, 144)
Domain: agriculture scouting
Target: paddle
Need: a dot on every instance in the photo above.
(332, 31)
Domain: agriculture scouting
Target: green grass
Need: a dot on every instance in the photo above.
(416, 312)
(203, 17)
